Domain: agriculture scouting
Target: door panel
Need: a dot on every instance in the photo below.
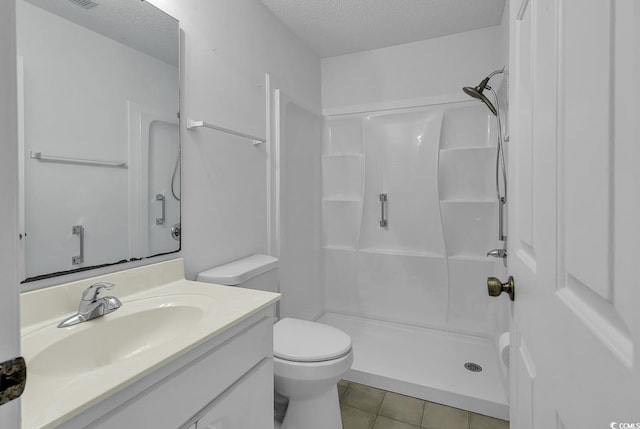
(585, 141)
(524, 375)
(525, 159)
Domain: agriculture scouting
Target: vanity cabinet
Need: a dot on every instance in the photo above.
(225, 383)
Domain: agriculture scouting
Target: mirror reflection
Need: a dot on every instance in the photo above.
(99, 133)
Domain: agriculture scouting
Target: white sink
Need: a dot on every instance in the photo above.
(137, 328)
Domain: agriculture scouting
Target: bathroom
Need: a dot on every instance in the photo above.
(266, 69)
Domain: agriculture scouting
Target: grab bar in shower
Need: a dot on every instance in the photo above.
(79, 231)
(383, 210)
(163, 208)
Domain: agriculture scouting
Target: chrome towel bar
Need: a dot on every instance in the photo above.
(64, 160)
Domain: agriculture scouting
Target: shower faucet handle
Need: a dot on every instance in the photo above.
(498, 253)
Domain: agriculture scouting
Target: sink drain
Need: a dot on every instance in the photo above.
(473, 367)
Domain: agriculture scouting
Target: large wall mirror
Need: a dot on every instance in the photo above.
(98, 87)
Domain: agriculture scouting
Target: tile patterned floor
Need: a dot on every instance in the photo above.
(365, 407)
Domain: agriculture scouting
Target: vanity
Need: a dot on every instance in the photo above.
(176, 354)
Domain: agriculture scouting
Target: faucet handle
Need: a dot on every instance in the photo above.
(91, 293)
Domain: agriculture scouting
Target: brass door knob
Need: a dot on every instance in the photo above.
(496, 287)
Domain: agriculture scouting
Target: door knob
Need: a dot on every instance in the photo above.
(496, 287)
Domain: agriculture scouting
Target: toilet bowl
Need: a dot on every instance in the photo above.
(309, 360)
(309, 357)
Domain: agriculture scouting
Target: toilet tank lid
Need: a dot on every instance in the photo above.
(239, 271)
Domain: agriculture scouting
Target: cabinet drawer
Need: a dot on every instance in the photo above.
(171, 402)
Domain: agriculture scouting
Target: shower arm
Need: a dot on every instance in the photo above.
(495, 72)
(484, 83)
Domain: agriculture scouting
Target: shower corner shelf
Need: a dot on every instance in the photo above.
(342, 154)
(342, 200)
(469, 200)
(338, 247)
(468, 148)
(471, 258)
(397, 252)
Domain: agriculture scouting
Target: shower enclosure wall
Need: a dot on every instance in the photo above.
(412, 293)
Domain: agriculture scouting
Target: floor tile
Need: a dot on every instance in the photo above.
(364, 398)
(385, 423)
(478, 421)
(438, 416)
(403, 408)
(356, 419)
(365, 407)
(342, 387)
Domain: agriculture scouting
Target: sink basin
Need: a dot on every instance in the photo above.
(137, 328)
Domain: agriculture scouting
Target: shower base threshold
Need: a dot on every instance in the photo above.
(425, 363)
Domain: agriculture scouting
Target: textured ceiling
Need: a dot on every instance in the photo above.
(134, 23)
(336, 27)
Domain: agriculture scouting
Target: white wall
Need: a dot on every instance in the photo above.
(504, 32)
(300, 211)
(9, 304)
(76, 87)
(229, 45)
(422, 69)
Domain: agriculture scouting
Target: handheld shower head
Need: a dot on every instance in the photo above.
(477, 91)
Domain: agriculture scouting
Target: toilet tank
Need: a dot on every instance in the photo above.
(253, 272)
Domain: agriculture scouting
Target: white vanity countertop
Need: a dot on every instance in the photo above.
(61, 385)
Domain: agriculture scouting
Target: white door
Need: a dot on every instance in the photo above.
(574, 222)
(9, 325)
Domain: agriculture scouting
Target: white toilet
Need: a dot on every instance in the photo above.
(309, 357)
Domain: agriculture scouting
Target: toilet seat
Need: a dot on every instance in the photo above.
(303, 341)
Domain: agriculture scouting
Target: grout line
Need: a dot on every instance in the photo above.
(381, 402)
(373, 424)
(346, 389)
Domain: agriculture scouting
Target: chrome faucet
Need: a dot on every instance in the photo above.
(91, 306)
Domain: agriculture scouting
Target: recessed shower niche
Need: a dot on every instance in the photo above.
(427, 267)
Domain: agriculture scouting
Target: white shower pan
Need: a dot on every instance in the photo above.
(425, 363)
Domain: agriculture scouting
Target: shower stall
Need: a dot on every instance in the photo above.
(409, 213)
